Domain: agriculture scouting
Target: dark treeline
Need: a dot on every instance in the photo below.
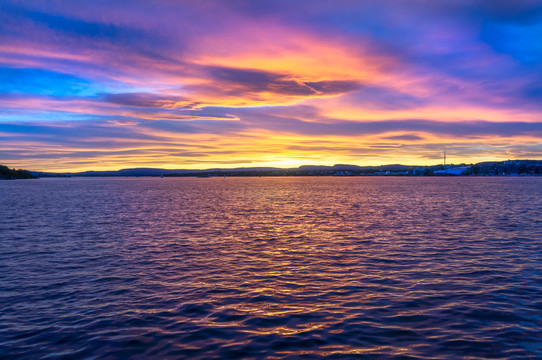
(8, 174)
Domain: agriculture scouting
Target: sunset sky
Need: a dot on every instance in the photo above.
(107, 84)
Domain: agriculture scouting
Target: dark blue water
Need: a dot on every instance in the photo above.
(271, 268)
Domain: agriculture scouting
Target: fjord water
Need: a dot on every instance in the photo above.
(278, 268)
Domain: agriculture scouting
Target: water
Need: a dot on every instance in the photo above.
(271, 268)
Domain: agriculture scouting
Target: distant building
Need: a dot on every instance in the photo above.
(461, 170)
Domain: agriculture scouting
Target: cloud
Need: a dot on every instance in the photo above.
(269, 82)
(146, 100)
(407, 137)
(235, 81)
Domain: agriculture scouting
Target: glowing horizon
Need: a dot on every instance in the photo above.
(197, 85)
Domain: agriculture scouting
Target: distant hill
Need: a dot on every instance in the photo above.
(490, 168)
(10, 174)
(167, 172)
(304, 170)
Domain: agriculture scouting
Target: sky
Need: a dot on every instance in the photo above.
(106, 85)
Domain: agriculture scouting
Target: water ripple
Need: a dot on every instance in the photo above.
(274, 268)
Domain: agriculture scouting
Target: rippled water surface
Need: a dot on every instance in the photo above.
(274, 268)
